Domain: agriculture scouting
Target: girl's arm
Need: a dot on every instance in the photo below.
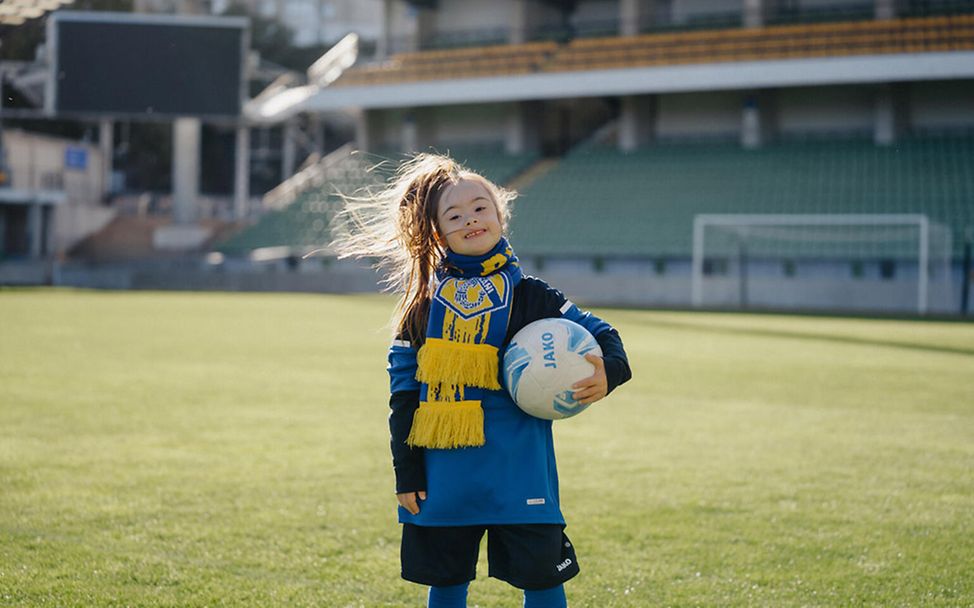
(545, 302)
(408, 462)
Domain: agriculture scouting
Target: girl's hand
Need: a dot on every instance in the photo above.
(408, 500)
(591, 389)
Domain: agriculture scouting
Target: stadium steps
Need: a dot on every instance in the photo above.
(533, 173)
(492, 162)
(129, 238)
(300, 211)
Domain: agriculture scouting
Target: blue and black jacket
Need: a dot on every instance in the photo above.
(533, 300)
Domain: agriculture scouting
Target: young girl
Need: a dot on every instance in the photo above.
(467, 461)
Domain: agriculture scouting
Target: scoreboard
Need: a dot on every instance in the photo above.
(123, 63)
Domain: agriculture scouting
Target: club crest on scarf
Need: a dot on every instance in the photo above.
(469, 298)
(459, 360)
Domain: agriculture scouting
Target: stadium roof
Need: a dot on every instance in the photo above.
(649, 80)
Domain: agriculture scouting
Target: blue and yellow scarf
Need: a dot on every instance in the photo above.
(460, 359)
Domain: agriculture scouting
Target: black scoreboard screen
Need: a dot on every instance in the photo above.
(124, 63)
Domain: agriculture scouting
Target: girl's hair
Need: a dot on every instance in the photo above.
(396, 227)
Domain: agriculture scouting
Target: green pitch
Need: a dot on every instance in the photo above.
(191, 449)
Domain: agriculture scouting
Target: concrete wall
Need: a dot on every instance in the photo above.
(621, 282)
(402, 22)
(74, 221)
(700, 114)
(465, 15)
(832, 3)
(37, 162)
(470, 124)
(386, 129)
(311, 276)
(942, 104)
(639, 285)
(682, 11)
(825, 109)
(596, 11)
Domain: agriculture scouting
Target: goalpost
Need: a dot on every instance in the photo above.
(832, 238)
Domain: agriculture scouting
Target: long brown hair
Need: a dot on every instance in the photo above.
(397, 227)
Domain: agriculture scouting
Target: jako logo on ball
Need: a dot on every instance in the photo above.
(543, 361)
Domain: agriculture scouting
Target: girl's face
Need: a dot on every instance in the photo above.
(467, 218)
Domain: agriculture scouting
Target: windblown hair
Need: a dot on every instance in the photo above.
(396, 227)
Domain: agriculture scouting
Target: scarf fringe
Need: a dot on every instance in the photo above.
(447, 425)
(445, 363)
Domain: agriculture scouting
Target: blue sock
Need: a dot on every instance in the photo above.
(546, 598)
(448, 597)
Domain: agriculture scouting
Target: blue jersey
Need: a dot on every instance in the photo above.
(512, 478)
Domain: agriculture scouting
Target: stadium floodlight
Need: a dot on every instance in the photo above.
(824, 239)
(279, 101)
(336, 60)
(278, 104)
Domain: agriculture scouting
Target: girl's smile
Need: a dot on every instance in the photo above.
(467, 218)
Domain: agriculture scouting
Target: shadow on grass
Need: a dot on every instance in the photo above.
(777, 333)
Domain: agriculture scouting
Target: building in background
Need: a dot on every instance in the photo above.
(835, 134)
(622, 122)
(314, 22)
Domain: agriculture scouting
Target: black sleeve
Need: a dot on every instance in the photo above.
(408, 462)
(551, 303)
(614, 356)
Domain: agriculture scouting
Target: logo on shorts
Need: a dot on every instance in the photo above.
(536, 501)
(564, 564)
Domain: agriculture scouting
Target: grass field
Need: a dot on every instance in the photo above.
(193, 449)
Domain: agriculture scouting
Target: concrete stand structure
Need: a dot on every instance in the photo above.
(184, 233)
(892, 114)
(637, 121)
(524, 128)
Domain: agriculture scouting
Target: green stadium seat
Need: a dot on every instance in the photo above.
(600, 201)
(305, 223)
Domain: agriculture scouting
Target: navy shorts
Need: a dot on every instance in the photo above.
(528, 556)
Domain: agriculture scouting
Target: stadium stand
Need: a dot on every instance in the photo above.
(453, 63)
(835, 39)
(493, 163)
(643, 203)
(303, 208)
(924, 8)
(947, 33)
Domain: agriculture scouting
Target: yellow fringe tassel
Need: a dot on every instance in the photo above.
(447, 363)
(447, 424)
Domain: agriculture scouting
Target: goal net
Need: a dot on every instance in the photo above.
(885, 262)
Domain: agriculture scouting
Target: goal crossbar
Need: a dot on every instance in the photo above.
(702, 221)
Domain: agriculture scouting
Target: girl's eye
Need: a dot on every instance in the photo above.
(481, 208)
(454, 217)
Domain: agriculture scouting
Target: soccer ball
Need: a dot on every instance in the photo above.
(543, 361)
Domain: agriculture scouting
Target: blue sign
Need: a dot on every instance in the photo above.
(75, 158)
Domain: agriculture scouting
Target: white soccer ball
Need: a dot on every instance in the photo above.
(542, 362)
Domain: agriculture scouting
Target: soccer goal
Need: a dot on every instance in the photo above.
(820, 261)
